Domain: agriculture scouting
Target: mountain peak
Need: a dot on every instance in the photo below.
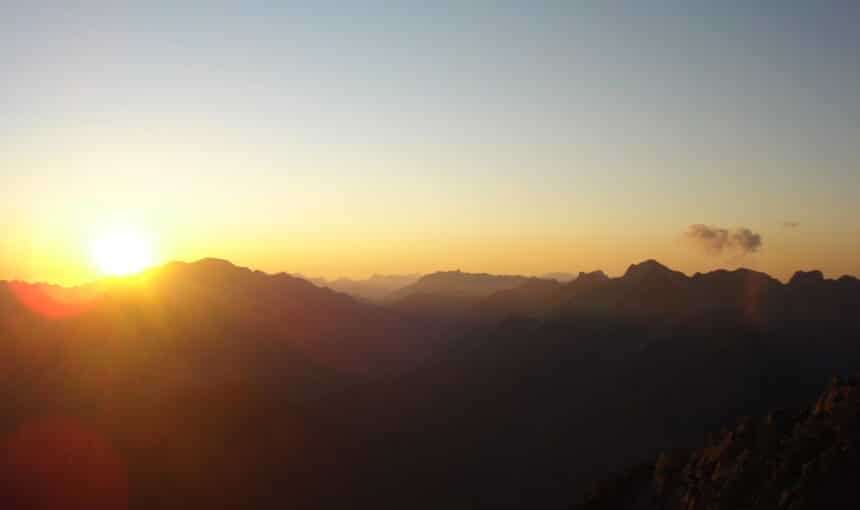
(214, 261)
(647, 269)
(209, 263)
(647, 265)
(587, 281)
(594, 276)
(806, 278)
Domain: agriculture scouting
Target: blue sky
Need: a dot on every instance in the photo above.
(273, 134)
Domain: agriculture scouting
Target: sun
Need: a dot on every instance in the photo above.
(121, 252)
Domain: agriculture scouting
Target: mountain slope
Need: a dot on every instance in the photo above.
(533, 299)
(196, 383)
(786, 460)
(443, 296)
(525, 410)
(211, 318)
(217, 384)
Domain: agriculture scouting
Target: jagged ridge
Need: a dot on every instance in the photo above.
(786, 460)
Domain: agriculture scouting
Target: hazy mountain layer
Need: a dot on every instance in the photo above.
(375, 289)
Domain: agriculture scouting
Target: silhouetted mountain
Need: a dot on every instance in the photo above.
(184, 326)
(445, 295)
(584, 283)
(528, 300)
(375, 289)
(805, 459)
(533, 299)
(215, 385)
(646, 289)
(650, 271)
(197, 380)
(330, 328)
(560, 277)
(527, 411)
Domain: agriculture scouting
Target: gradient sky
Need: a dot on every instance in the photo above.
(349, 138)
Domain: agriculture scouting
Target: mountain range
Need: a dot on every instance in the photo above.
(374, 289)
(216, 385)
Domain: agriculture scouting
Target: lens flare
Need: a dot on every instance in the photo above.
(52, 462)
(54, 302)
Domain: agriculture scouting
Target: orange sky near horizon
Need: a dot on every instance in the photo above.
(69, 261)
(374, 138)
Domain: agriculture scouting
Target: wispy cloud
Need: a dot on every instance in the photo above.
(716, 240)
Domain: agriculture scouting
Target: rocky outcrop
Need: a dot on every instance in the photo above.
(787, 460)
(806, 278)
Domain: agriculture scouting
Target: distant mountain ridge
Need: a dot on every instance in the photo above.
(444, 295)
(458, 283)
(375, 289)
(378, 288)
(559, 276)
(649, 290)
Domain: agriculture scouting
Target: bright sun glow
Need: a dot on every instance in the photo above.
(121, 253)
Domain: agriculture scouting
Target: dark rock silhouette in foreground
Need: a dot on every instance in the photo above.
(804, 459)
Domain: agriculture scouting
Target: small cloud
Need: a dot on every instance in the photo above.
(791, 224)
(747, 240)
(716, 240)
(712, 239)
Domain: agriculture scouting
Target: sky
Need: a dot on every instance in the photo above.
(351, 138)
